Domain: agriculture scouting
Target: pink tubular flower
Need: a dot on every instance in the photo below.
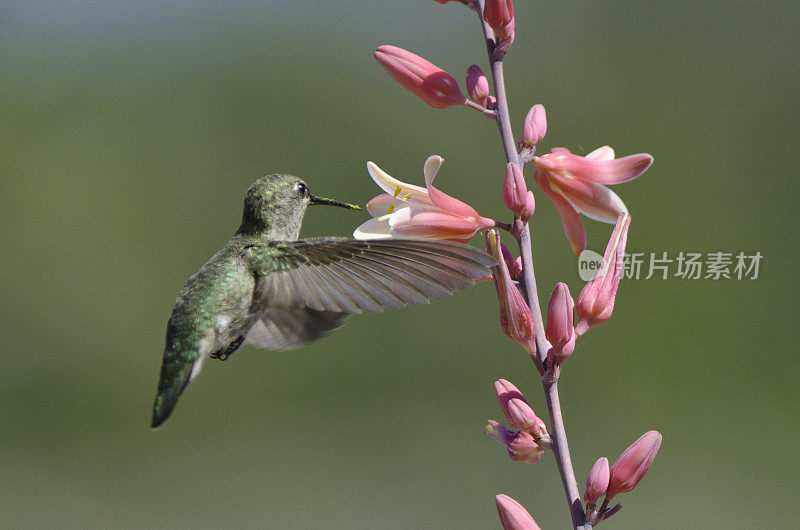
(477, 85)
(515, 193)
(406, 210)
(633, 463)
(597, 483)
(512, 515)
(560, 332)
(435, 86)
(596, 301)
(576, 184)
(521, 445)
(535, 126)
(515, 315)
(518, 412)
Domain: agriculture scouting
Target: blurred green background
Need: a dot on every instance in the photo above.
(128, 134)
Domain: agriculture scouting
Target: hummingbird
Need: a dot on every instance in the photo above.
(267, 288)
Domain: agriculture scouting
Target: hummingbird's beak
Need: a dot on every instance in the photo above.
(331, 202)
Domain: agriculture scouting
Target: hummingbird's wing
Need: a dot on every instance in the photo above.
(291, 328)
(308, 286)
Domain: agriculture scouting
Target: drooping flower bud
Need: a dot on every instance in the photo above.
(521, 445)
(597, 483)
(512, 515)
(535, 126)
(515, 315)
(515, 193)
(596, 301)
(518, 412)
(435, 86)
(633, 463)
(560, 332)
(477, 85)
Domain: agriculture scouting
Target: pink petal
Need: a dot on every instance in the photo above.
(395, 187)
(593, 200)
(451, 204)
(570, 219)
(433, 224)
(600, 171)
(440, 198)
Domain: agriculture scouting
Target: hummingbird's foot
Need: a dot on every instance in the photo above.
(223, 355)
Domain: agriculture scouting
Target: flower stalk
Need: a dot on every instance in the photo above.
(521, 231)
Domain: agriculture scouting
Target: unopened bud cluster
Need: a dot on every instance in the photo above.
(529, 437)
(621, 477)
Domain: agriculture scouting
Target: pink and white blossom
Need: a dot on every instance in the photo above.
(406, 210)
(577, 184)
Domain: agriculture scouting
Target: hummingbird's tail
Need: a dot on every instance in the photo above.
(177, 369)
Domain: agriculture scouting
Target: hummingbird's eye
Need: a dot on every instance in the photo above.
(301, 188)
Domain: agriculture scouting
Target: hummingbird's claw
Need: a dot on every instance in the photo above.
(223, 355)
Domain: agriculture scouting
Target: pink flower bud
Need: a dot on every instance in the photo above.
(518, 412)
(633, 463)
(535, 126)
(521, 416)
(597, 483)
(515, 193)
(515, 315)
(596, 301)
(559, 331)
(499, 14)
(491, 103)
(512, 515)
(477, 85)
(435, 86)
(505, 392)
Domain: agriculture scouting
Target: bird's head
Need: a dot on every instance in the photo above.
(274, 205)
